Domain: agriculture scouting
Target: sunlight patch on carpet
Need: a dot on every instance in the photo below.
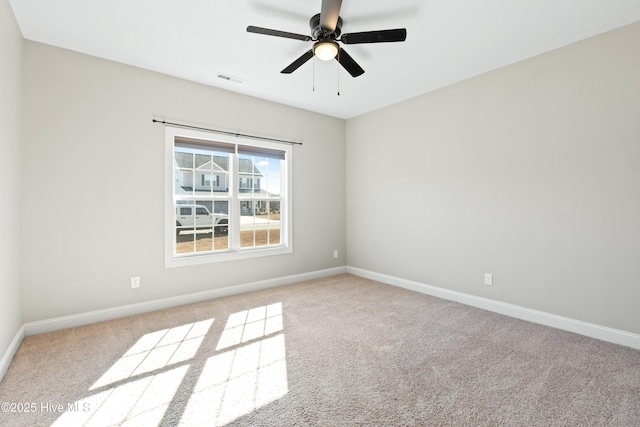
(240, 380)
(247, 371)
(140, 386)
(237, 382)
(248, 325)
(157, 350)
(142, 401)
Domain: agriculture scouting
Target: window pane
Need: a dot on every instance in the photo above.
(204, 177)
(273, 185)
(247, 238)
(203, 227)
(183, 172)
(221, 225)
(185, 236)
(272, 171)
(248, 174)
(261, 167)
(183, 182)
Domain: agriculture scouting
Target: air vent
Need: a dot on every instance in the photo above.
(230, 78)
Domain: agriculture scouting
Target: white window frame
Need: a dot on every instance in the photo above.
(233, 253)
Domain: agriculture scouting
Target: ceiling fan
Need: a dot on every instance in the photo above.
(326, 32)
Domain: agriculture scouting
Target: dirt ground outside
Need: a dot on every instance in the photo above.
(202, 241)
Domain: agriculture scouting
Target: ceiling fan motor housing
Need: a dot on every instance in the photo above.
(320, 33)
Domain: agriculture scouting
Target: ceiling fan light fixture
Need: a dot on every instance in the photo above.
(326, 50)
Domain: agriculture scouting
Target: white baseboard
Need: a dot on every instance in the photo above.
(11, 351)
(603, 333)
(58, 323)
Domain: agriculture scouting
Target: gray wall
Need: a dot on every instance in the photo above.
(93, 181)
(10, 206)
(530, 172)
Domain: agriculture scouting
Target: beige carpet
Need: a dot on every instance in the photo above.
(339, 351)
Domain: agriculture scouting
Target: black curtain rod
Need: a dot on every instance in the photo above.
(282, 141)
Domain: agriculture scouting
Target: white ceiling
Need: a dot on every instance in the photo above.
(447, 41)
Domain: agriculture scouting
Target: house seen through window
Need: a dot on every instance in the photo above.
(229, 197)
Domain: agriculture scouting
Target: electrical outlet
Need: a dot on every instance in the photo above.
(488, 279)
(335, 253)
(135, 282)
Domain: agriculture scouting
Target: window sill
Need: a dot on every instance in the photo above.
(208, 258)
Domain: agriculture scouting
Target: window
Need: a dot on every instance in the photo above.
(226, 198)
(210, 180)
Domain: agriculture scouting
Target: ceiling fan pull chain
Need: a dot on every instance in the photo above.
(338, 68)
(313, 61)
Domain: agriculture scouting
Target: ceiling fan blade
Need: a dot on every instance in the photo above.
(382, 36)
(329, 14)
(277, 33)
(349, 64)
(298, 62)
